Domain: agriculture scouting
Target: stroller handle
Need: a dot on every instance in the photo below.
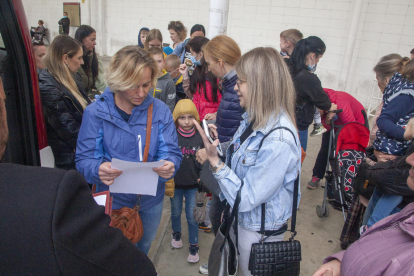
(336, 111)
(332, 120)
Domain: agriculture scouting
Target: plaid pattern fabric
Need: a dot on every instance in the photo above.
(350, 231)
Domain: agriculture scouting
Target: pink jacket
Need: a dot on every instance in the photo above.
(386, 248)
(204, 106)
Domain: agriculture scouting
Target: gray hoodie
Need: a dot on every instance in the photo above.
(165, 90)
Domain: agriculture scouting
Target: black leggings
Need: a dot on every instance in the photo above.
(322, 159)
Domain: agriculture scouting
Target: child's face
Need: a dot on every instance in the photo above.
(155, 43)
(284, 45)
(159, 58)
(173, 71)
(144, 36)
(185, 121)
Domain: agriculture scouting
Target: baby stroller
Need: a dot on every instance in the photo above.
(346, 152)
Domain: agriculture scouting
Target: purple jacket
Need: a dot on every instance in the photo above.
(387, 248)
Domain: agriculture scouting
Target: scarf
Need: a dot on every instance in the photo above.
(186, 133)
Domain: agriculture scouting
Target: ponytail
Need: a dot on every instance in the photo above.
(388, 65)
(312, 44)
(408, 71)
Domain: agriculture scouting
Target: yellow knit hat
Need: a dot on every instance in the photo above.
(185, 106)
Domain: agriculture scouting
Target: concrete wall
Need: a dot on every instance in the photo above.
(385, 26)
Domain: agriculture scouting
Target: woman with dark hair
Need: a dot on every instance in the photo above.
(91, 71)
(302, 63)
(63, 98)
(202, 85)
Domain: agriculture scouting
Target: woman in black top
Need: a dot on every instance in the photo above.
(302, 63)
(63, 98)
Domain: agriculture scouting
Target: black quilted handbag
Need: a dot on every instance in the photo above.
(277, 258)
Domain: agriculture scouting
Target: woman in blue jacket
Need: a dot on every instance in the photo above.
(114, 126)
(266, 174)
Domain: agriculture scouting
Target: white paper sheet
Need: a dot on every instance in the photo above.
(137, 177)
(100, 199)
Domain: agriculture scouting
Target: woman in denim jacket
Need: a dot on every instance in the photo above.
(266, 92)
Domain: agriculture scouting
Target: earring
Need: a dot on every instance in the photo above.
(67, 65)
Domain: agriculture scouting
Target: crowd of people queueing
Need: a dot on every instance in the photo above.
(92, 117)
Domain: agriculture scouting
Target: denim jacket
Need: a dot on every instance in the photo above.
(268, 174)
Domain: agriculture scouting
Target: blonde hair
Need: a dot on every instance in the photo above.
(179, 28)
(127, 68)
(388, 65)
(64, 45)
(223, 48)
(269, 83)
(292, 35)
(172, 60)
(153, 34)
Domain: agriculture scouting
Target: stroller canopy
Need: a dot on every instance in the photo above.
(352, 136)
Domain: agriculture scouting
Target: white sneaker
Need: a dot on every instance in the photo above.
(204, 269)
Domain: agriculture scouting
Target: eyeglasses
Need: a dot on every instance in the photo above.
(239, 82)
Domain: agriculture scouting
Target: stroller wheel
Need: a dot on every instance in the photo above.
(326, 213)
(319, 211)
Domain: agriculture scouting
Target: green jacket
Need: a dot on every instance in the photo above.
(88, 82)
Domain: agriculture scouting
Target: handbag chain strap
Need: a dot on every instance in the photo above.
(295, 197)
(146, 149)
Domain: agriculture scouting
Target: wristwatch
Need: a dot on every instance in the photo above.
(214, 169)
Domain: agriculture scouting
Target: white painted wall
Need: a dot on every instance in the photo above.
(386, 26)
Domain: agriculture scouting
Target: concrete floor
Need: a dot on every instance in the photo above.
(319, 237)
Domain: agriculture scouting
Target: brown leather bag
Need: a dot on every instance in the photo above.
(129, 222)
(127, 219)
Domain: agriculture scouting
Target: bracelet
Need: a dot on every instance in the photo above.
(214, 169)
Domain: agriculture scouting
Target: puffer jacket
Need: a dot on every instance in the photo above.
(63, 116)
(104, 135)
(205, 106)
(229, 113)
(351, 108)
(385, 249)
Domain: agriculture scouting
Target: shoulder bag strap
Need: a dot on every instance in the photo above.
(148, 136)
(295, 190)
(234, 217)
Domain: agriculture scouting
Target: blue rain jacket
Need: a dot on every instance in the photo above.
(105, 135)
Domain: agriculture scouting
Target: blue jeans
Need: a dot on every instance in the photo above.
(177, 208)
(303, 138)
(150, 221)
(381, 206)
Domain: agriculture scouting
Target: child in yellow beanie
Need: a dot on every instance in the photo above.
(186, 178)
